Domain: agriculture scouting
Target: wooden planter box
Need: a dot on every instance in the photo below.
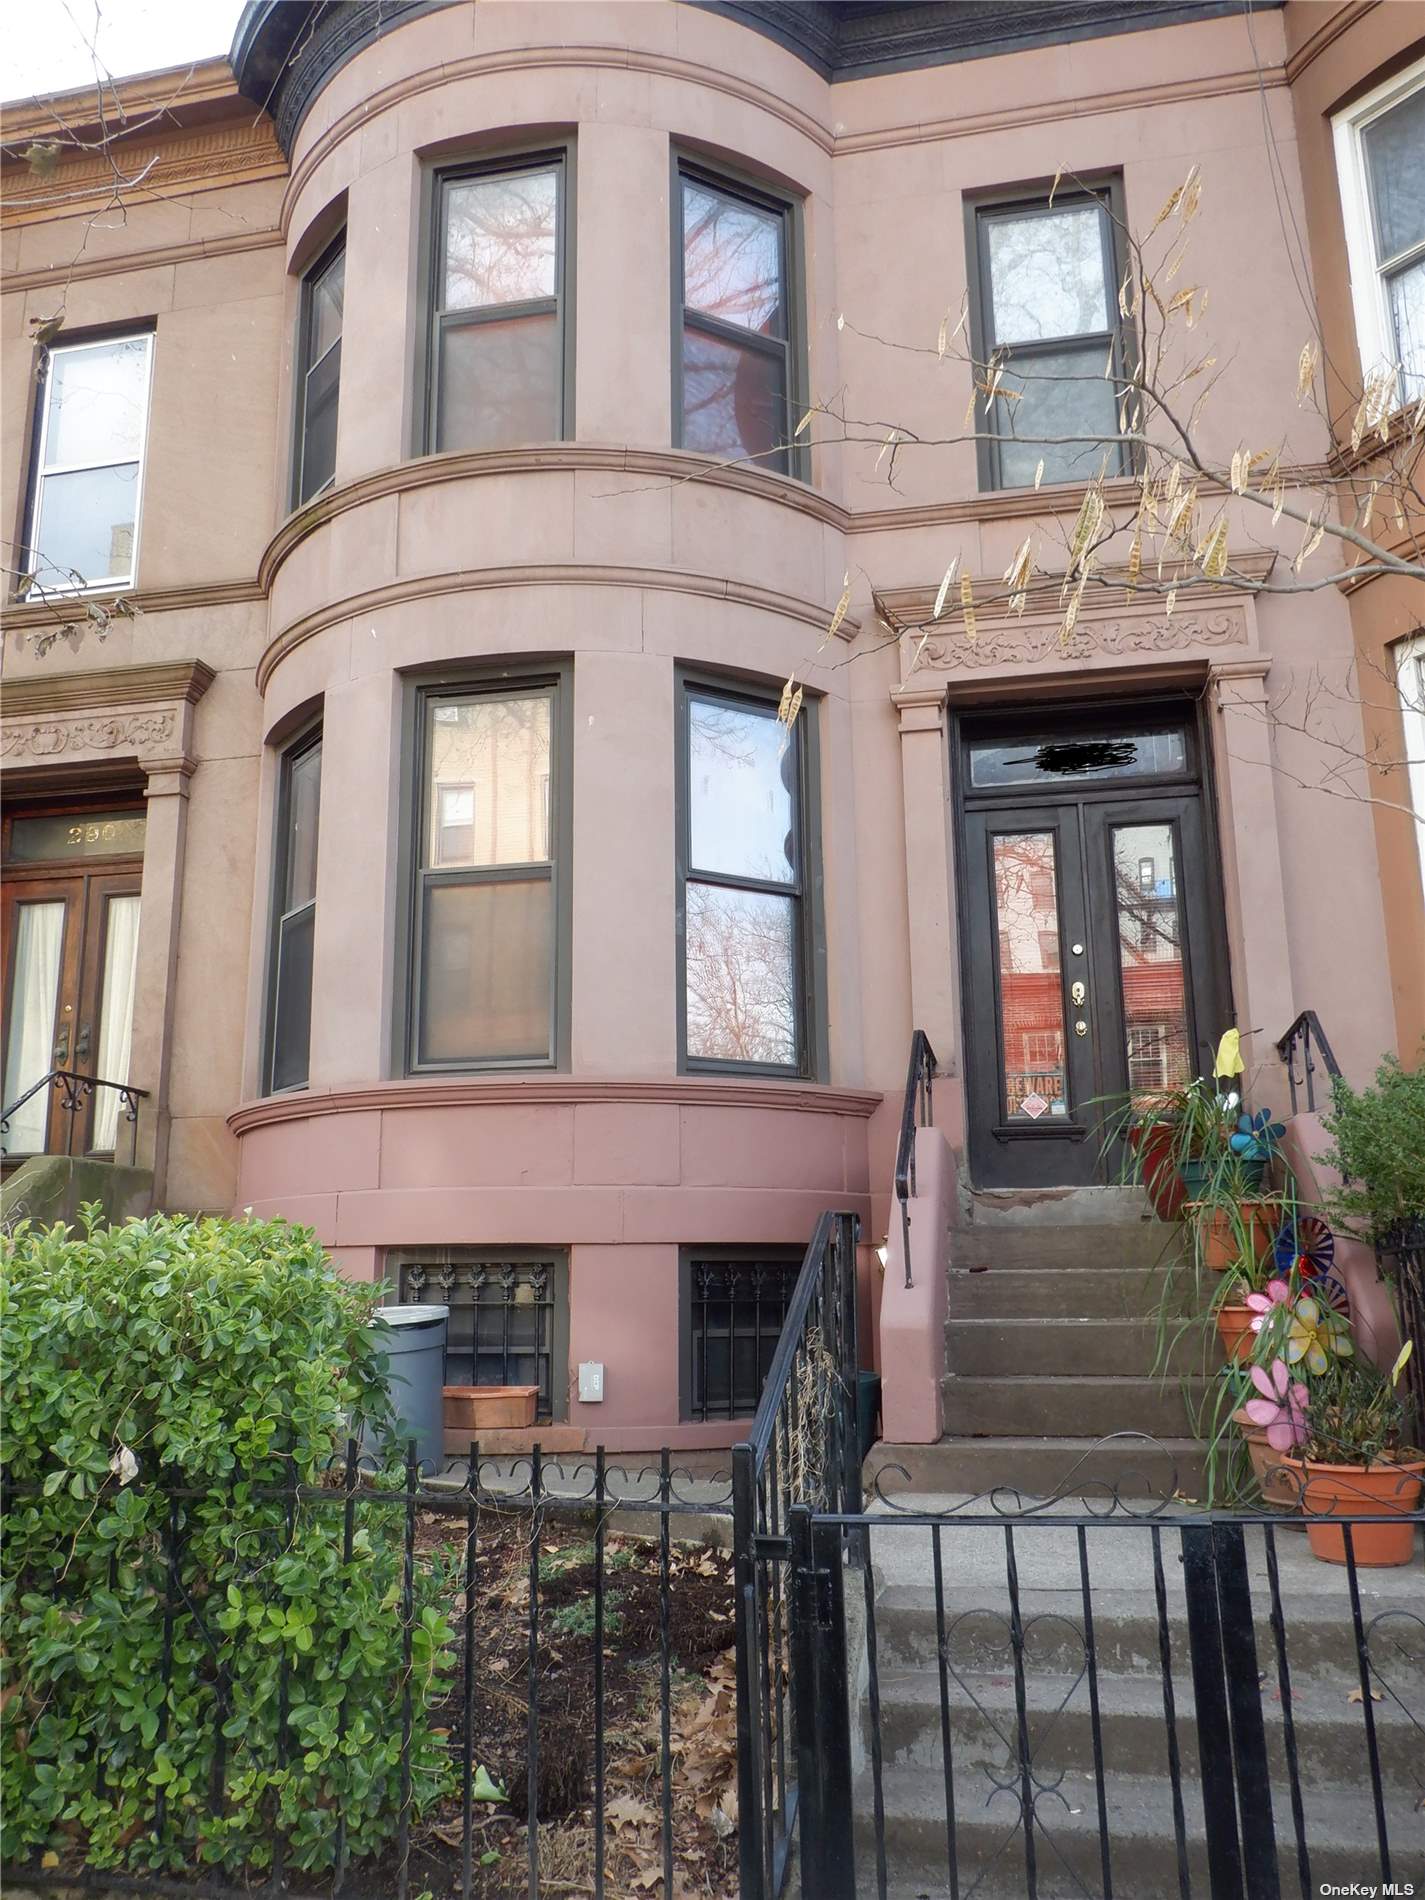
(477, 1408)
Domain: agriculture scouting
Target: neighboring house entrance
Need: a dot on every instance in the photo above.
(71, 920)
(1091, 930)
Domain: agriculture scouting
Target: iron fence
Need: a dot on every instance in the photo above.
(801, 1449)
(77, 1096)
(1104, 1696)
(590, 1568)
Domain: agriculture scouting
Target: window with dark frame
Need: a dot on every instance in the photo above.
(87, 477)
(294, 914)
(735, 1304)
(736, 369)
(319, 373)
(1046, 314)
(486, 901)
(508, 1318)
(1380, 158)
(497, 372)
(743, 862)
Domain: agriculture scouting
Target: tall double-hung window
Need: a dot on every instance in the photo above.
(294, 913)
(736, 364)
(1046, 312)
(1380, 160)
(749, 883)
(497, 368)
(319, 373)
(87, 480)
(489, 967)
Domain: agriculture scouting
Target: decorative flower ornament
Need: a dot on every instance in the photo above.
(1306, 1246)
(1281, 1407)
(1257, 1136)
(1277, 1293)
(1315, 1333)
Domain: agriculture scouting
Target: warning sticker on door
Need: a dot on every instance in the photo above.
(1034, 1106)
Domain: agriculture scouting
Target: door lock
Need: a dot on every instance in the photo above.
(1077, 993)
(81, 1047)
(1081, 1028)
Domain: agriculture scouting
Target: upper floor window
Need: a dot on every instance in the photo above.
(1046, 308)
(1380, 159)
(736, 373)
(1410, 677)
(489, 971)
(747, 861)
(497, 355)
(88, 473)
(294, 914)
(319, 372)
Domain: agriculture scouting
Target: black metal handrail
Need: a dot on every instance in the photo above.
(75, 1092)
(917, 1110)
(1305, 1032)
(800, 1449)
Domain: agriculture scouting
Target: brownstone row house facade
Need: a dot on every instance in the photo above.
(427, 848)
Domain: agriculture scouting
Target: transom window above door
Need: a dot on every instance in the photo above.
(1046, 311)
(496, 360)
(87, 480)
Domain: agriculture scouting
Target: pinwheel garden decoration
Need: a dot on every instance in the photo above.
(1280, 1406)
(1306, 1246)
(1316, 1334)
(1257, 1136)
(1276, 1294)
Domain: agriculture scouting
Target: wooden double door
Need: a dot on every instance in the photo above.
(1093, 948)
(70, 916)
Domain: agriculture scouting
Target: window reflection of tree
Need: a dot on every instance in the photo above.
(500, 240)
(741, 985)
(500, 747)
(722, 736)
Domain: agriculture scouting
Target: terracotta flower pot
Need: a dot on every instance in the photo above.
(477, 1408)
(1223, 1238)
(1344, 1491)
(1234, 1329)
(1278, 1486)
(1161, 1180)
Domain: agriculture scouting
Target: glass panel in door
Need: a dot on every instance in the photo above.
(34, 1010)
(1034, 1081)
(1149, 942)
(116, 1013)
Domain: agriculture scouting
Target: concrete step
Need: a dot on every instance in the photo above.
(1087, 1293)
(1006, 1348)
(1039, 1467)
(1065, 1406)
(991, 1855)
(1330, 1734)
(1071, 1247)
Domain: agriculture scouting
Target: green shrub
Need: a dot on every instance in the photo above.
(1378, 1137)
(164, 1374)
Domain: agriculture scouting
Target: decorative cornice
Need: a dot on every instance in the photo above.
(470, 580)
(560, 1091)
(129, 733)
(1146, 634)
(108, 686)
(178, 93)
(162, 166)
(428, 471)
(156, 257)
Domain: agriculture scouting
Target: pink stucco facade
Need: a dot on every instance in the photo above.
(625, 559)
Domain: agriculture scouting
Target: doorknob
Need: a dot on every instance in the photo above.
(1077, 993)
(61, 1046)
(81, 1047)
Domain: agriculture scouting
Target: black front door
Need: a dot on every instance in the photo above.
(1091, 935)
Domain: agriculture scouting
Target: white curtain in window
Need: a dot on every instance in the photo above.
(39, 939)
(116, 1014)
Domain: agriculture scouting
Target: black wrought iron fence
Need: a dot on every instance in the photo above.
(1104, 1696)
(802, 1449)
(77, 1099)
(577, 1619)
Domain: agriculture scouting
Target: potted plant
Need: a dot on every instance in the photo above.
(1353, 1458)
